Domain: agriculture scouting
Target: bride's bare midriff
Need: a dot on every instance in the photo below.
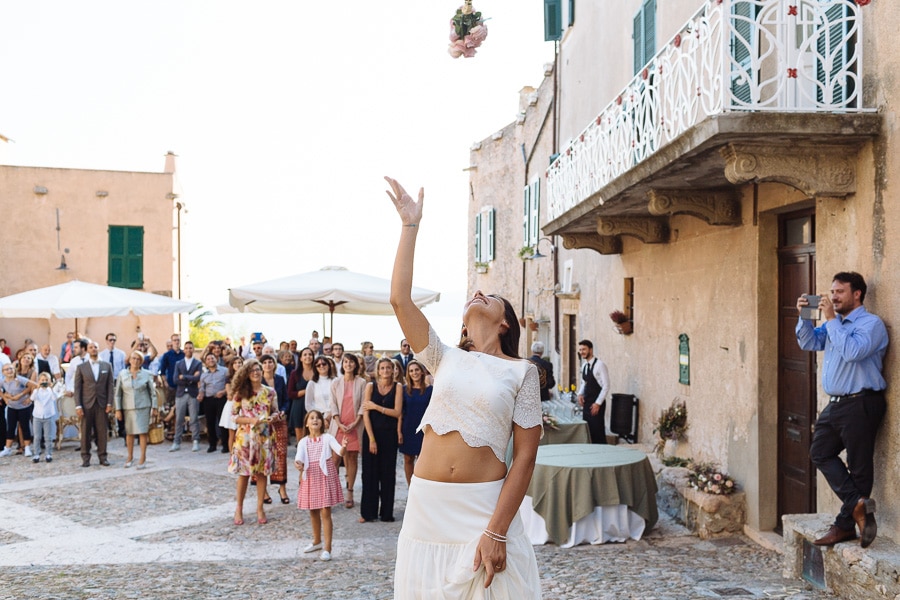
(447, 458)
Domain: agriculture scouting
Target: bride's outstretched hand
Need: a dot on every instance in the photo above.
(410, 211)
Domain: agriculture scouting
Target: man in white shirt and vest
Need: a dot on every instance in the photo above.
(593, 391)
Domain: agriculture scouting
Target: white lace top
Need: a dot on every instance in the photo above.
(479, 395)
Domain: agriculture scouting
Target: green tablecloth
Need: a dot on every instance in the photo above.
(567, 433)
(571, 479)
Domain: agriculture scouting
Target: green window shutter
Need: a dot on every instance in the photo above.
(478, 257)
(638, 39)
(552, 20)
(571, 19)
(116, 271)
(135, 259)
(834, 53)
(526, 216)
(126, 257)
(490, 234)
(535, 211)
(743, 43)
(649, 30)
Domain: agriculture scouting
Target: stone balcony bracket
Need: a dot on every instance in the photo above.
(609, 244)
(816, 169)
(714, 206)
(649, 230)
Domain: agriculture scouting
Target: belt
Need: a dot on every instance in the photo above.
(854, 396)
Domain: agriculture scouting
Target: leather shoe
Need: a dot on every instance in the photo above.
(105, 463)
(86, 464)
(834, 535)
(864, 515)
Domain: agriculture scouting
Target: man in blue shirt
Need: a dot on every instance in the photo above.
(167, 368)
(854, 342)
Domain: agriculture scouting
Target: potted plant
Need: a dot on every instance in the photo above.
(481, 267)
(623, 324)
(671, 425)
(526, 252)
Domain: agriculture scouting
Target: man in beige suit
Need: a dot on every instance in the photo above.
(93, 403)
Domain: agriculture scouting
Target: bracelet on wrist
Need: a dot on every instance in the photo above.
(495, 536)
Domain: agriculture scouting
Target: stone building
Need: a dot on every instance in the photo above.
(709, 161)
(115, 228)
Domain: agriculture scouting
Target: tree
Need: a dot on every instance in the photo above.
(203, 328)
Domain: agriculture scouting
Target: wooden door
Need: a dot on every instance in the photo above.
(796, 368)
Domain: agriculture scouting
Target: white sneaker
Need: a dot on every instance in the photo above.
(326, 555)
(5, 452)
(313, 547)
(195, 447)
(28, 451)
(175, 447)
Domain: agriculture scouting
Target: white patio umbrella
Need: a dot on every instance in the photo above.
(334, 289)
(77, 299)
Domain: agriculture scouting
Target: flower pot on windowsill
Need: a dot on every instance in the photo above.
(481, 268)
(624, 328)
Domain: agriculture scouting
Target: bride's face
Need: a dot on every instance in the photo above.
(480, 306)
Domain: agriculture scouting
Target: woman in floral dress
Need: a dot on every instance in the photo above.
(253, 452)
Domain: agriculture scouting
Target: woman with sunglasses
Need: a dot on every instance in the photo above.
(318, 390)
(484, 395)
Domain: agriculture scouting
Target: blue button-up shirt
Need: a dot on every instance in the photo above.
(854, 350)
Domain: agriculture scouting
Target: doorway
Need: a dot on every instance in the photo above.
(796, 368)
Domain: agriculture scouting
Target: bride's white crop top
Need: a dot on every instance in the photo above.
(479, 395)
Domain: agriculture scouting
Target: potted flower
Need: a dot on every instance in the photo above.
(481, 267)
(622, 322)
(671, 425)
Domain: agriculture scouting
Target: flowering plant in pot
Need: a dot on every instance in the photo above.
(671, 425)
(622, 322)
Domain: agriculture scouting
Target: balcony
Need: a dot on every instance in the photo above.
(747, 90)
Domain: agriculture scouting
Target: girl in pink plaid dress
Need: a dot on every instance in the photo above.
(320, 486)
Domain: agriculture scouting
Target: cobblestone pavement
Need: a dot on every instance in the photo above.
(166, 532)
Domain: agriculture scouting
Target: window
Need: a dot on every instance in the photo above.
(629, 298)
(644, 35)
(531, 204)
(484, 235)
(126, 256)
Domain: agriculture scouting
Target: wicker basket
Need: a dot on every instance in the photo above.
(157, 432)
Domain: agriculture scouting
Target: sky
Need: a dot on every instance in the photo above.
(285, 116)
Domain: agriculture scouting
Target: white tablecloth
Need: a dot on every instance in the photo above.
(605, 524)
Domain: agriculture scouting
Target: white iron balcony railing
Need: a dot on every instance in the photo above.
(733, 55)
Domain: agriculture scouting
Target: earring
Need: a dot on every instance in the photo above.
(465, 332)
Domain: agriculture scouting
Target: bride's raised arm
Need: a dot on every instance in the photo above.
(412, 321)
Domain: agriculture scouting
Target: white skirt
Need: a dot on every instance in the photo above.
(442, 526)
(226, 421)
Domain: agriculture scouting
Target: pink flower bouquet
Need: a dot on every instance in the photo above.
(467, 31)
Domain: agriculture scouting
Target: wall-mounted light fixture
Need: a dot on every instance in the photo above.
(537, 252)
(102, 193)
(40, 190)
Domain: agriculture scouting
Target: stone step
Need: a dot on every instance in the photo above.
(845, 569)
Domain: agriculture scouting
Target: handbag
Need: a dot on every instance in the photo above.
(157, 431)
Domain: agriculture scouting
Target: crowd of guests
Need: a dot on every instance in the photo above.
(337, 405)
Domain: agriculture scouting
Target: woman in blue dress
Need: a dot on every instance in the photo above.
(416, 396)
